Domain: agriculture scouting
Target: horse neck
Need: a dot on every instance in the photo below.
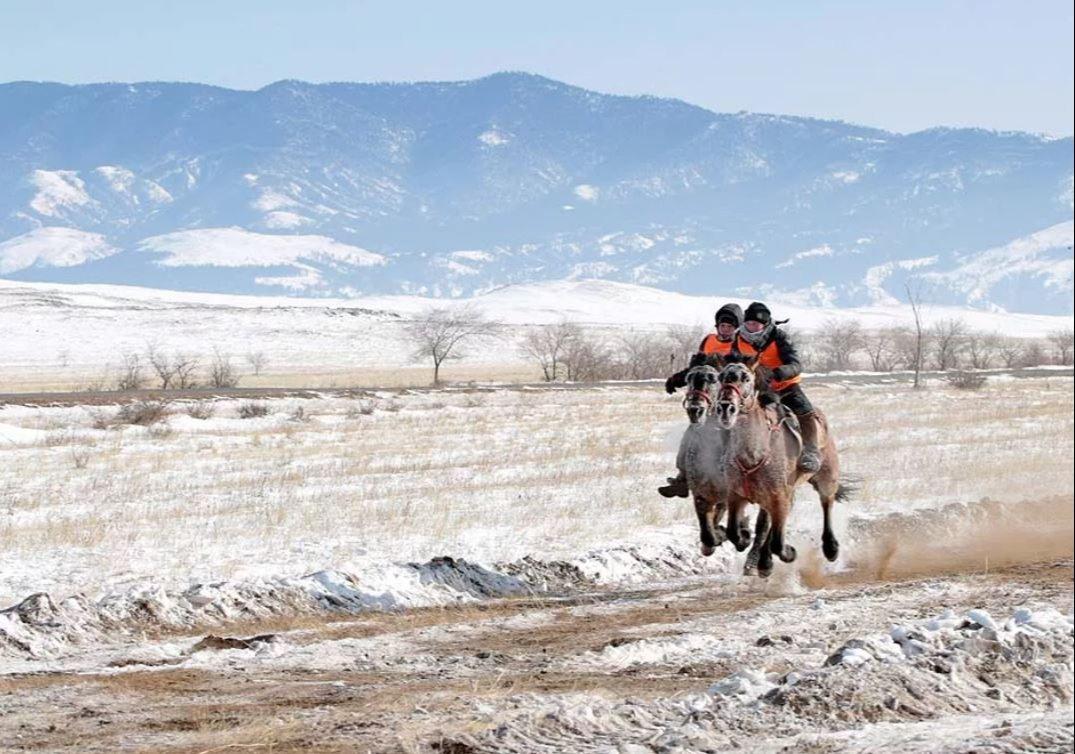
(750, 437)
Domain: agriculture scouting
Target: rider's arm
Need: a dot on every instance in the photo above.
(789, 357)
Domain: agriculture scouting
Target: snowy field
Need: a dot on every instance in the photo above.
(65, 337)
(491, 570)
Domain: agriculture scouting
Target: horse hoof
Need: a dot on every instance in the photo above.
(789, 554)
(765, 572)
(707, 550)
(831, 549)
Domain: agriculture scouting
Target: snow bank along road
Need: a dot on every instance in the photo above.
(268, 583)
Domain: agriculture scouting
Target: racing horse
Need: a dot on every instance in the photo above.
(761, 464)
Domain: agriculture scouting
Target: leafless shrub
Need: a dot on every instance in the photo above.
(966, 380)
(1063, 342)
(393, 406)
(252, 410)
(1010, 352)
(201, 410)
(141, 413)
(131, 374)
(882, 348)
(1033, 354)
(473, 401)
(439, 334)
(257, 361)
(948, 338)
(837, 341)
(221, 372)
(981, 349)
(585, 360)
(685, 340)
(176, 372)
(298, 414)
(546, 344)
(643, 356)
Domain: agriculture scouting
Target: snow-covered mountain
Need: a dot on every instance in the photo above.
(455, 188)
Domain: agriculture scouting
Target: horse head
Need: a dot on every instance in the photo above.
(701, 392)
(738, 388)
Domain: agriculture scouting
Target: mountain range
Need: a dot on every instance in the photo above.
(457, 188)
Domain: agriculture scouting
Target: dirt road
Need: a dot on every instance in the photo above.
(697, 664)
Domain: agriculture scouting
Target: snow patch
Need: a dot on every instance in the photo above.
(56, 190)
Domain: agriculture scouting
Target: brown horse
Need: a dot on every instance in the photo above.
(761, 466)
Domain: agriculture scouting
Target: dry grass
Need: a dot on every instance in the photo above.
(418, 475)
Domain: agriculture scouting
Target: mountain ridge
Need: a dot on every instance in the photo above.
(528, 179)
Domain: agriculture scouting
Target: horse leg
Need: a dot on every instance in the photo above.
(777, 545)
(742, 527)
(759, 557)
(712, 536)
(736, 507)
(827, 488)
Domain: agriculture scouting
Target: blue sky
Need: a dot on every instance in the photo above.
(898, 65)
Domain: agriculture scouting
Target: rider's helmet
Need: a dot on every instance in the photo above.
(757, 324)
(729, 314)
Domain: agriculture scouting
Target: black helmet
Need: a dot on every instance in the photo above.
(730, 313)
(757, 312)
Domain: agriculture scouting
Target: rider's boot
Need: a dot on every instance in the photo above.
(810, 458)
(676, 487)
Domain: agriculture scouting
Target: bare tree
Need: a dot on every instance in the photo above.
(643, 355)
(914, 298)
(221, 371)
(585, 359)
(440, 333)
(175, 373)
(1010, 351)
(1063, 344)
(1032, 355)
(949, 340)
(880, 346)
(546, 345)
(685, 340)
(131, 376)
(981, 349)
(837, 341)
(257, 361)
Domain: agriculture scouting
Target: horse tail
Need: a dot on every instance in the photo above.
(847, 488)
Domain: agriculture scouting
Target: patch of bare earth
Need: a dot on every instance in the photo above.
(511, 675)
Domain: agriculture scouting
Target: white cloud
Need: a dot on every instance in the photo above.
(52, 247)
(587, 193)
(235, 247)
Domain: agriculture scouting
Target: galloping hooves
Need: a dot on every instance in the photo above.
(745, 538)
(831, 548)
(708, 550)
(765, 571)
(788, 555)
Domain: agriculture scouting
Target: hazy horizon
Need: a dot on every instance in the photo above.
(901, 68)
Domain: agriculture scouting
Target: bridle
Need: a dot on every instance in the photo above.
(694, 393)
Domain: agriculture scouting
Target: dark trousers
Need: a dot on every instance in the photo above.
(795, 399)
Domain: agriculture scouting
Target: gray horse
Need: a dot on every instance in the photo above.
(701, 456)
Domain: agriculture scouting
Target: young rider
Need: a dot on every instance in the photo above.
(760, 336)
(721, 342)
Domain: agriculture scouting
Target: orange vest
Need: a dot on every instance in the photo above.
(770, 359)
(714, 345)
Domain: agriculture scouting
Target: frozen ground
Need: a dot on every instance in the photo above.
(573, 612)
